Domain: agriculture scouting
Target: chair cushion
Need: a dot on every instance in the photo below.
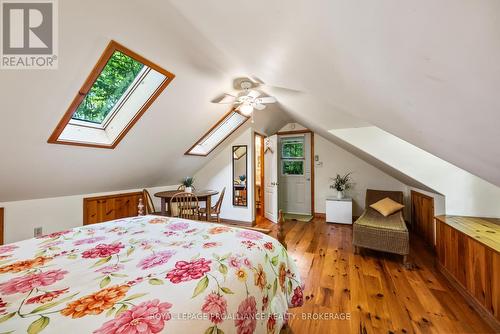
(387, 206)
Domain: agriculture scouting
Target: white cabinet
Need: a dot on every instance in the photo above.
(339, 210)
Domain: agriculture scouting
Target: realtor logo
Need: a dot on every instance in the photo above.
(29, 34)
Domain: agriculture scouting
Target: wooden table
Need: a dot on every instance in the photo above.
(203, 196)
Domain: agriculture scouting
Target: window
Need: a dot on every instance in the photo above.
(292, 156)
(293, 167)
(293, 148)
(117, 93)
(223, 129)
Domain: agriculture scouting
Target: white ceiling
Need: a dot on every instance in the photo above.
(426, 71)
(152, 153)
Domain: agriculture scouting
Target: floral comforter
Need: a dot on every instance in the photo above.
(147, 275)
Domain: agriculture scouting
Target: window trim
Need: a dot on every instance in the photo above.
(87, 85)
(232, 110)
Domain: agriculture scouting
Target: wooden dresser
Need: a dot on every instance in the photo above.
(104, 208)
(468, 254)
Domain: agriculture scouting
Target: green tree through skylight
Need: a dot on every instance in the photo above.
(118, 74)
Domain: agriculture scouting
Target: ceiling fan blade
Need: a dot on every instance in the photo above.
(253, 94)
(256, 80)
(259, 106)
(260, 82)
(224, 99)
(266, 99)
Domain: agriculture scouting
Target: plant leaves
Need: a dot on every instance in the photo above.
(201, 286)
(101, 261)
(155, 281)
(275, 286)
(210, 330)
(105, 281)
(275, 260)
(122, 309)
(38, 325)
(135, 296)
(118, 275)
(110, 311)
(220, 331)
(130, 250)
(46, 306)
(227, 291)
(7, 317)
(223, 269)
(290, 288)
(225, 256)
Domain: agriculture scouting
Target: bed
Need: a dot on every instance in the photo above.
(148, 274)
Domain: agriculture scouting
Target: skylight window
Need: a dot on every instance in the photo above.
(119, 90)
(223, 129)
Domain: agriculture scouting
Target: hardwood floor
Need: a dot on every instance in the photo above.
(371, 292)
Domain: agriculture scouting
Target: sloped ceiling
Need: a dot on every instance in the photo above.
(426, 71)
(152, 154)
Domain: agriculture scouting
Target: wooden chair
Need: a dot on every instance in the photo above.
(215, 210)
(150, 206)
(186, 205)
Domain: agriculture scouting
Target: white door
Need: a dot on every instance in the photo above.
(295, 173)
(271, 178)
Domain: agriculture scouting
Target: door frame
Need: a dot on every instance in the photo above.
(297, 132)
(262, 168)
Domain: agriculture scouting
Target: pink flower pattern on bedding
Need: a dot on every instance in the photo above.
(147, 275)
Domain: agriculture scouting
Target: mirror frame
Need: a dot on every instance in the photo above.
(234, 148)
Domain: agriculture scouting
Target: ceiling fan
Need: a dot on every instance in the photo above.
(248, 99)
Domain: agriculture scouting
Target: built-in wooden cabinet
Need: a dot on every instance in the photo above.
(105, 208)
(468, 254)
(422, 216)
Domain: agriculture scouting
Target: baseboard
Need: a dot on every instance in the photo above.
(237, 222)
(323, 216)
(483, 311)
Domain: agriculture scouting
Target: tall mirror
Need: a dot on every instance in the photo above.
(240, 182)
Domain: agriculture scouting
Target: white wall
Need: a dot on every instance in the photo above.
(217, 174)
(465, 193)
(334, 160)
(52, 214)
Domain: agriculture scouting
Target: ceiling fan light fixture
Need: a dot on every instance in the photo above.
(246, 109)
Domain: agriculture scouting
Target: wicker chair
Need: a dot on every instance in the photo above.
(374, 231)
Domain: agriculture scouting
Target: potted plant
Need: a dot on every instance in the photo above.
(341, 184)
(242, 179)
(188, 182)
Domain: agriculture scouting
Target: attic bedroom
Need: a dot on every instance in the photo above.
(249, 167)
